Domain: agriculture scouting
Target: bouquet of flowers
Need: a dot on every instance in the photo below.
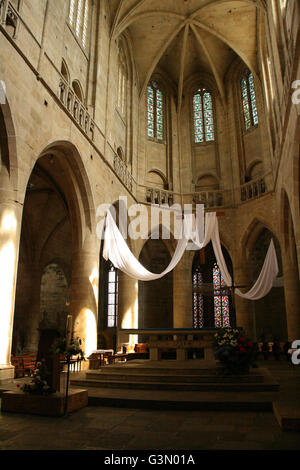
(39, 384)
(73, 349)
(234, 350)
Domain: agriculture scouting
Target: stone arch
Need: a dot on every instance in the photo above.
(269, 313)
(8, 146)
(157, 179)
(205, 261)
(207, 182)
(82, 206)
(155, 298)
(65, 71)
(251, 233)
(78, 90)
(58, 204)
(254, 170)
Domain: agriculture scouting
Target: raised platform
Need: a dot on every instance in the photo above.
(51, 405)
(178, 385)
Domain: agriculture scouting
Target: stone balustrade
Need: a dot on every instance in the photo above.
(9, 15)
(123, 173)
(159, 196)
(213, 199)
(256, 188)
(76, 108)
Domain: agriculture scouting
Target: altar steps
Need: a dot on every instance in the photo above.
(175, 380)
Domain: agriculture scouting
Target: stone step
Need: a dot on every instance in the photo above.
(108, 397)
(119, 376)
(232, 387)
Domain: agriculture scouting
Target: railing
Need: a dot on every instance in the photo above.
(75, 107)
(256, 188)
(159, 196)
(214, 199)
(9, 15)
(121, 169)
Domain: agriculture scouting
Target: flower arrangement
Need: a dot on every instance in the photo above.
(234, 350)
(39, 384)
(73, 349)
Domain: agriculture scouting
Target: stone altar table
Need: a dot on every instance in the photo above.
(180, 339)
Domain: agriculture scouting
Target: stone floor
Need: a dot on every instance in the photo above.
(103, 428)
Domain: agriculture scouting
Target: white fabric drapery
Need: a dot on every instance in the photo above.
(266, 278)
(117, 250)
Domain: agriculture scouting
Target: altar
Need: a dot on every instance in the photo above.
(180, 339)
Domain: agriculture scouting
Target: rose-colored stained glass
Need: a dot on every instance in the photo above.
(198, 313)
(221, 300)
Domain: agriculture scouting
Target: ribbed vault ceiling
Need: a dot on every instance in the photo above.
(185, 37)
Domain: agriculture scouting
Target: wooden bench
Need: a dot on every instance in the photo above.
(24, 364)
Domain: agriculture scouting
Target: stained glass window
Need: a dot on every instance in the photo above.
(112, 297)
(155, 112)
(221, 300)
(203, 116)
(198, 313)
(249, 104)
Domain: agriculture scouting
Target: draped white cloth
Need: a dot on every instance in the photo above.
(117, 250)
(266, 278)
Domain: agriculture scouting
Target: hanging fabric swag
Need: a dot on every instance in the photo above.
(117, 251)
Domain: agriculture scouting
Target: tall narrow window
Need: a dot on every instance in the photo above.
(203, 116)
(85, 23)
(212, 306)
(112, 297)
(122, 83)
(198, 315)
(221, 299)
(155, 112)
(78, 19)
(249, 100)
(71, 12)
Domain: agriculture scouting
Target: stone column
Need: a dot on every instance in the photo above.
(243, 308)
(127, 308)
(292, 296)
(182, 292)
(84, 294)
(10, 227)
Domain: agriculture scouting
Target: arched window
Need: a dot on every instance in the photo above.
(221, 299)
(155, 112)
(249, 100)
(112, 296)
(203, 116)
(65, 71)
(198, 314)
(78, 90)
(122, 83)
(212, 306)
(78, 19)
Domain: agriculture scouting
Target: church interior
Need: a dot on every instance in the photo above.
(159, 104)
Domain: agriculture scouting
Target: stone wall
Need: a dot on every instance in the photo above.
(42, 117)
